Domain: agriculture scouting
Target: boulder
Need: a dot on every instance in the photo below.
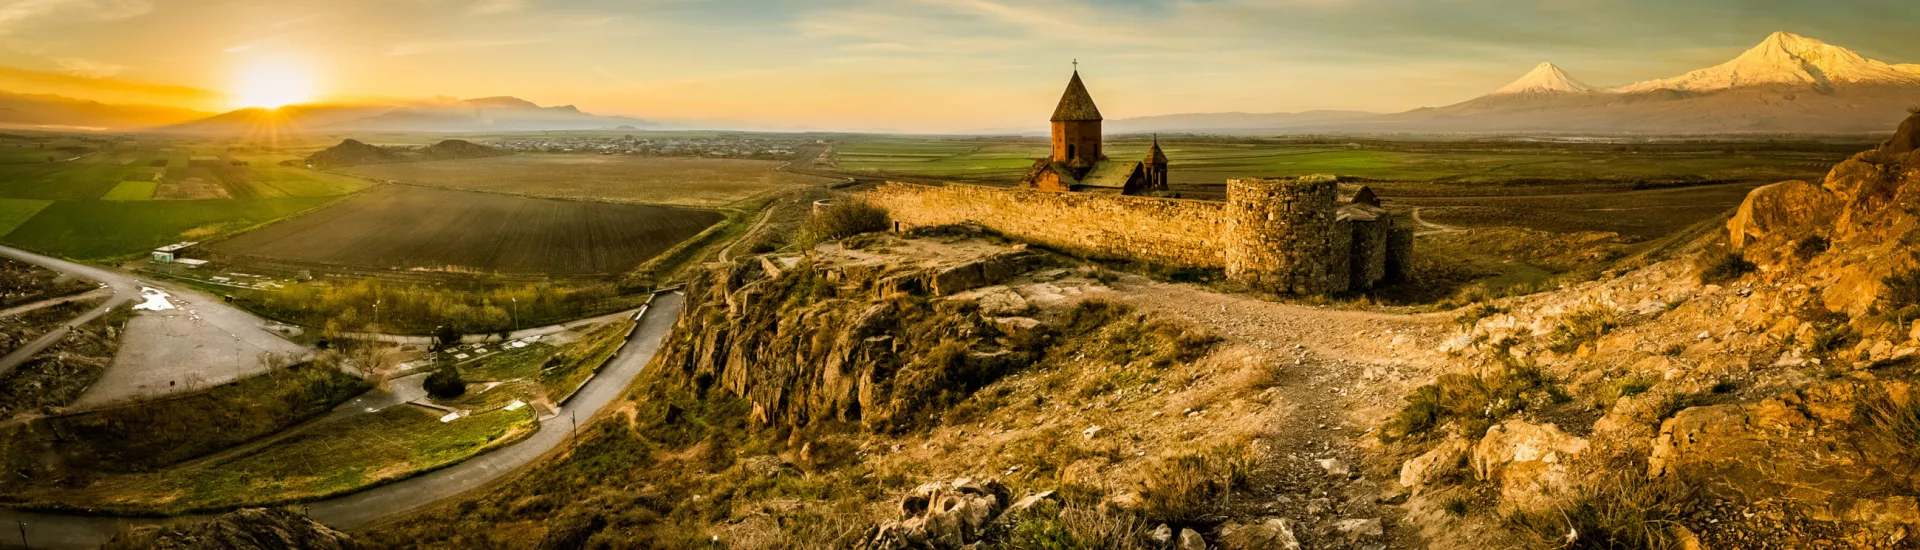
(1529, 462)
(942, 516)
(1266, 534)
(1770, 449)
(1435, 463)
(1360, 529)
(1786, 208)
(1190, 540)
(1906, 139)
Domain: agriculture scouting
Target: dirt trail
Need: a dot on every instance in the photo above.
(1342, 373)
(1434, 228)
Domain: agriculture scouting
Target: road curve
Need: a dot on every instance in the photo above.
(60, 531)
(124, 289)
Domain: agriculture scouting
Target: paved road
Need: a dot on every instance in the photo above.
(485, 338)
(202, 343)
(57, 531)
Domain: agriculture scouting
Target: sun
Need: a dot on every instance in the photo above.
(272, 84)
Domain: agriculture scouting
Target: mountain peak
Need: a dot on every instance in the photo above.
(1789, 59)
(1545, 78)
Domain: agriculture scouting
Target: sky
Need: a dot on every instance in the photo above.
(896, 65)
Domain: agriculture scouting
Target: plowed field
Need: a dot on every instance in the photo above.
(420, 228)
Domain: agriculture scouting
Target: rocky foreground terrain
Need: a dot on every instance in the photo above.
(1748, 387)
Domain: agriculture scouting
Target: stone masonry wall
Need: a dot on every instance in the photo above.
(1278, 235)
(1166, 231)
(1283, 233)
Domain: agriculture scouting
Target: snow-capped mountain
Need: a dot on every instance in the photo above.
(1546, 78)
(1787, 58)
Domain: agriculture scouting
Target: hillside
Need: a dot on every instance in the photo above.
(500, 114)
(355, 153)
(351, 153)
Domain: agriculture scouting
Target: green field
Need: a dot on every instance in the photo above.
(700, 182)
(1195, 161)
(95, 204)
(131, 191)
(107, 229)
(14, 212)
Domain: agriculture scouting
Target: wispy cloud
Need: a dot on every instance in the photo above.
(443, 46)
(18, 13)
(89, 68)
(491, 7)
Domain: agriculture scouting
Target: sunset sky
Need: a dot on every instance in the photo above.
(901, 65)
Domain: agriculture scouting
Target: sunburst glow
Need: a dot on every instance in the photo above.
(272, 84)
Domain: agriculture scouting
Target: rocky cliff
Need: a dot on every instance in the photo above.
(845, 337)
(1755, 391)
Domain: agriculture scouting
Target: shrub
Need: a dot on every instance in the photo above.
(1723, 267)
(842, 219)
(1474, 314)
(1902, 295)
(1887, 423)
(1831, 339)
(446, 383)
(1474, 402)
(1810, 246)
(1580, 327)
(1625, 510)
(1188, 489)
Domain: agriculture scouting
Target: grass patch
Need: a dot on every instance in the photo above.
(16, 212)
(132, 191)
(330, 458)
(1580, 328)
(1625, 511)
(1189, 490)
(1721, 267)
(156, 434)
(109, 229)
(1475, 403)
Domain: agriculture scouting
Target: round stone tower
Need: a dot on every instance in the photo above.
(1280, 232)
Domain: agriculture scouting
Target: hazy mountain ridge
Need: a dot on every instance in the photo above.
(469, 115)
(53, 111)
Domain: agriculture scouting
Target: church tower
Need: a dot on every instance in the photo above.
(1154, 167)
(1076, 126)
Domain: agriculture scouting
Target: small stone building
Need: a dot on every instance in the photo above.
(1076, 162)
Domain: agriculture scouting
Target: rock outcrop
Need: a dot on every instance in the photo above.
(942, 516)
(249, 529)
(1530, 463)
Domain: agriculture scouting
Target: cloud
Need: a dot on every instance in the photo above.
(442, 46)
(88, 68)
(491, 7)
(21, 13)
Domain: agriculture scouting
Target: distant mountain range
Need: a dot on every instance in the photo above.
(58, 112)
(487, 114)
(1786, 84)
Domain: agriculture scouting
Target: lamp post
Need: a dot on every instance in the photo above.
(516, 312)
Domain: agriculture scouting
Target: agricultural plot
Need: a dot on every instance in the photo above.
(651, 180)
(415, 228)
(131, 191)
(14, 212)
(91, 230)
(1213, 162)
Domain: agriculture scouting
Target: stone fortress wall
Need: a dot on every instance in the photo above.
(1279, 235)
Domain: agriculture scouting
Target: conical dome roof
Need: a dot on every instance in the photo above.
(1076, 104)
(1154, 154)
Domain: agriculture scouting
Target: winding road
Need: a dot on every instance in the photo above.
(61, 531)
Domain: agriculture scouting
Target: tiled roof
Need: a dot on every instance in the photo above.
(1076, 104)
(1154, 155)
(1110, 173)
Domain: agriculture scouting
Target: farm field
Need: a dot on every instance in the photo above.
(652, 180)
(103, 201)
(417, 228)
(1212, 162)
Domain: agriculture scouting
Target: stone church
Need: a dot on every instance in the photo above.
(1077, 162)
